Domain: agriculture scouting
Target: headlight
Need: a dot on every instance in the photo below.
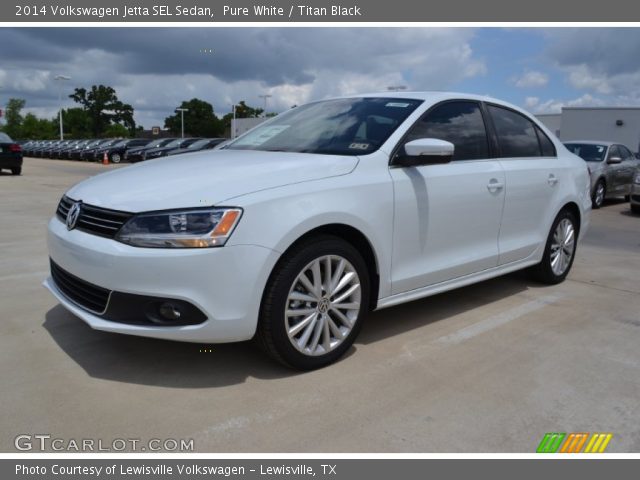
(636, 180)
(197, 228)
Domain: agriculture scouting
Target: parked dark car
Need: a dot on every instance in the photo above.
(10, 154)
(62, 146)
(136, 154)
(169, 147)
(202, 144)
(116, 152)
(66, 153)
(45, 151)
(86, 153)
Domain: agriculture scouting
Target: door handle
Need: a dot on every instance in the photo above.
(552, 180)
(494, 185)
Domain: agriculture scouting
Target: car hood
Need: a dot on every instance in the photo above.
(160, 150)
(204, 178)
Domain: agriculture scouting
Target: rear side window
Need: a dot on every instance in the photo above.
(517, 135)
(460, 123)
(546, 145)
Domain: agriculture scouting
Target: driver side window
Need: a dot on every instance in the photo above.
(458, 122)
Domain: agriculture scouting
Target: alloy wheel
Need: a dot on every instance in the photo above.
(323, 305)
(562, 246)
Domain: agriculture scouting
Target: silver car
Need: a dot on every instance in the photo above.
(611, 166)
(635, 193)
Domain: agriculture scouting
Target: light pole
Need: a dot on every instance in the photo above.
(233, 123)
(182, 110)
(265, 96)
(60, 79)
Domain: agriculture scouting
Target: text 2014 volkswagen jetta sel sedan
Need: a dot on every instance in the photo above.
(294, 231)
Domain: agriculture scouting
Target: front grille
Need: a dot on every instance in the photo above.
(84, 294)
(95, 220)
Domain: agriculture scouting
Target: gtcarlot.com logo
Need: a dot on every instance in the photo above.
(48, 443)
(574, 443)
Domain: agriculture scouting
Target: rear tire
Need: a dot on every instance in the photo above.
(116, 158)
(635, 208)
(326, 281)
(560, 250)
(16, 170)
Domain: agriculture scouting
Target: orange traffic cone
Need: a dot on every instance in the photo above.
(105, 159)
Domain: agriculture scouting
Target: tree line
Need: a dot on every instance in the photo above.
(101, 114)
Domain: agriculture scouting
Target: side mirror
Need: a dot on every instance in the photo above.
(614, 160)
(425, 151)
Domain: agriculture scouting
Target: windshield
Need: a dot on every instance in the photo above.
(350, 126)
(588, 151)
(175, 143)
(199, 143)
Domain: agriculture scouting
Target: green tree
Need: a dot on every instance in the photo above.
(13, 117)
(243, 111)
(104, 109)
(199, 121)
(34, 128)
(76, 123)
(117, 131)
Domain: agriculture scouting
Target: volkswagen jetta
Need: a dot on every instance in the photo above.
(294, 231)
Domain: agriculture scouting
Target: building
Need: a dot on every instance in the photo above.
(613, 124)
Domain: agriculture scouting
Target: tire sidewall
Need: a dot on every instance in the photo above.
(594, 202)
(546, 260)
(281, 286)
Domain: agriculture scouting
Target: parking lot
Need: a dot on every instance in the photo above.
(487, 368)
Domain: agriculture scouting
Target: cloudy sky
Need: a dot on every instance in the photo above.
(154, 69)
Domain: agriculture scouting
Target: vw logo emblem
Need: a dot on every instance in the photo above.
(72, 215)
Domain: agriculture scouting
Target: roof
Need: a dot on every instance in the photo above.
(438, 96)
(591, 142)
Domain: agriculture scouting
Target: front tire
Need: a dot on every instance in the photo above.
(314, 303)
(635, 208)
(598, 194)
(16, 170)
(560, 250)
(116, 158)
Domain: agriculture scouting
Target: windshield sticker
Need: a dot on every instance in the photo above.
(397, 104)
(359, 146)
(262, 135)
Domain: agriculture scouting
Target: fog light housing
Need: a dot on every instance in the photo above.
(169, 312)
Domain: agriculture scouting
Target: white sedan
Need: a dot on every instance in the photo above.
(295, 230)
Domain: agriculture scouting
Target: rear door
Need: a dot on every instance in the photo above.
(629, 165)
(534, 179)
(447, 216)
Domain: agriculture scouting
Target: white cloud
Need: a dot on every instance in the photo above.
(531, 102)
(555, 106)
(531, 79)
(156, 69)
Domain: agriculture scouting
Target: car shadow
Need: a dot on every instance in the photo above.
(147, 361)
(400, 319)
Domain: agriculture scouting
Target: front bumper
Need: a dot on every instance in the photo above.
(225, 283)
(635, 194)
